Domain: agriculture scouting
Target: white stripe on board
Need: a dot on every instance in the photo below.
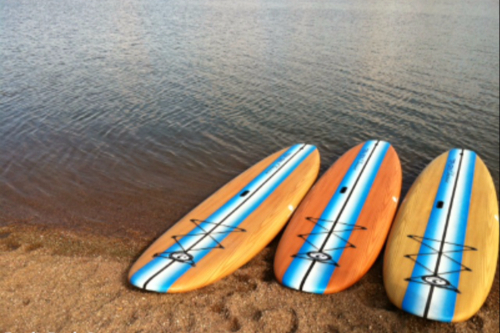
(231, 217)
(346, 215)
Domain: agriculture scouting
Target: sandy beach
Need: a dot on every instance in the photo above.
(55, 280)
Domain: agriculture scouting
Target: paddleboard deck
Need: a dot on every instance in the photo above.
(230, 227)
(442, 252)
(341, 226)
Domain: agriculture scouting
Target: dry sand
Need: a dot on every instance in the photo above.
(54, 280)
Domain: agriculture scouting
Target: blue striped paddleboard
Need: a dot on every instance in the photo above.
(230, 227)
(442, 251)
(341, 226)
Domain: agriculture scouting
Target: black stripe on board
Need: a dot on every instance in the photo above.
(306, 275)
(230, 213)
(440, 253)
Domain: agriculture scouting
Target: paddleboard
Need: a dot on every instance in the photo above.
(442, 251)
(340, 228)
(231, 226)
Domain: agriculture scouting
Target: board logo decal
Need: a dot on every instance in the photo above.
(185, 256)
(325, 256)
(167, 267)
(438, 263)
(318, 257)
(450, 172)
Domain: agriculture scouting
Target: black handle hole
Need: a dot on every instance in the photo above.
(244, 193)
(343, 189)
(440, 204)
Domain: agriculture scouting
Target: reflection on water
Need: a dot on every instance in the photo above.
(120, 116)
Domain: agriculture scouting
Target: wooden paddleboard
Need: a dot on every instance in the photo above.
(230, 227)
(340, 228)
(441, 254)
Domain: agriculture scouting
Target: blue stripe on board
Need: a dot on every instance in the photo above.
(446, 306)
(291, 277)
(141, 276)
(418, 291)
(232, 206)
(351, 219)
(327, 215)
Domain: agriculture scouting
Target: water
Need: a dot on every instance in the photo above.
(119, 116)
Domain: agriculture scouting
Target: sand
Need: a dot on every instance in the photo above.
(55, 280)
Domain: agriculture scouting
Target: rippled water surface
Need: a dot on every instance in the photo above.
(119, 116)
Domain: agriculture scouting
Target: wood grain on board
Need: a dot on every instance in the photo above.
(482, 235)
(261, 226)
(376, 216)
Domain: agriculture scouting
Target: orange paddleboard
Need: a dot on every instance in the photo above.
(340, 228)
(230, 227)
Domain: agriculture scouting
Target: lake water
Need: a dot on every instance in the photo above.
(119, 116)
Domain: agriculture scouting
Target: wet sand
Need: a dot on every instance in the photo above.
(55, 280)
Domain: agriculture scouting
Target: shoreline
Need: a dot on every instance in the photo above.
(55, 280)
